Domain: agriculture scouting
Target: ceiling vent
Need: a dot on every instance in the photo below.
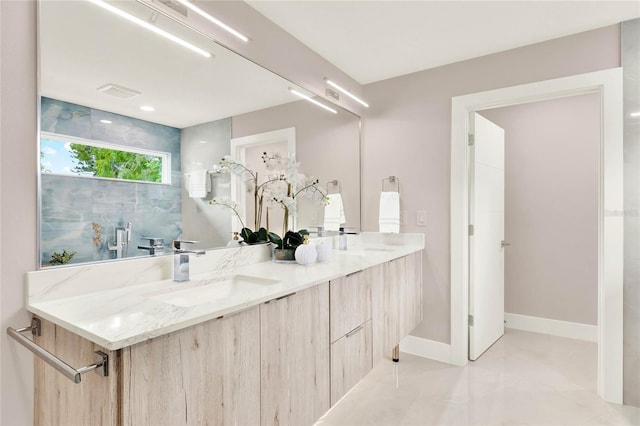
(118, 91)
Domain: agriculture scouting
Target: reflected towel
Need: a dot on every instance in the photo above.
(389, 212)
(334, 213)
(198, 183)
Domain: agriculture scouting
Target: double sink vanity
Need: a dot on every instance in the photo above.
(245, 341)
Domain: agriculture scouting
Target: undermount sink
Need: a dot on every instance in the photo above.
(211, 290)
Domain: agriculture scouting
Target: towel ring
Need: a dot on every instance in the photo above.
(334, 183)
(392, 180)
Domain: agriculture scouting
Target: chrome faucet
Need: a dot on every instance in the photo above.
(123, 239)
(181, 259)
(156, 245)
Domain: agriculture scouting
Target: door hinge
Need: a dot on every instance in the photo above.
(470, 320)
(471, 229)
(472, 139)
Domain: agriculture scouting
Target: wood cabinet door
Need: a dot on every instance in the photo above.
(384, 299)
(350, 301)
(295, 358)
(58, 400)
(409, 270)
(351, 360)
(205, 374)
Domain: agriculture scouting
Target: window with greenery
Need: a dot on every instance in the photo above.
(71, 156)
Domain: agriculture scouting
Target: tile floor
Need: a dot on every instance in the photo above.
(523, 379)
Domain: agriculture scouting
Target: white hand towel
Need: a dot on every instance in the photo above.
(198, 183)
(334, 213)
(389, 212)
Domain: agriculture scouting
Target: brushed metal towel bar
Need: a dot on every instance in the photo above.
(101, 360)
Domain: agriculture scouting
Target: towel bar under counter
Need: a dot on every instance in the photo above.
(101, 360)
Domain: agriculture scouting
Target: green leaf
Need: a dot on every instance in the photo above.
(292, 239)
(245, 233)
(275, 239)
(253, 238)
(262, 235)
(61, 258)
(303, 232)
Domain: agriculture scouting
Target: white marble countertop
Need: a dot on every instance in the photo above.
(122, 315)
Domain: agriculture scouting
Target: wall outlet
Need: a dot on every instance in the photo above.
(421, 218)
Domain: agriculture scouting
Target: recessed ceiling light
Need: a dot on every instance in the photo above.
(147, 108)
(106, 121)
(635, 114)
(313, 101)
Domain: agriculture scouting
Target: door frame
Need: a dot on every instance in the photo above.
(607, 83)
(238, 147)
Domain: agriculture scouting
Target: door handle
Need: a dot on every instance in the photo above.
(504, 244)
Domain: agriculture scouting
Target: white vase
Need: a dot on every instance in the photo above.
(325, 252)
(306, 254)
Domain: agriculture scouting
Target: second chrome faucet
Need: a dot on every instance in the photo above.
(181, 259)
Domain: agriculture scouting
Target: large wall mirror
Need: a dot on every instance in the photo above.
(133, 127)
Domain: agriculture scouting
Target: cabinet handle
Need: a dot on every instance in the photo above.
(285, 296)
(101, 359)
(353, 273)
(280, 298)
(355, 330)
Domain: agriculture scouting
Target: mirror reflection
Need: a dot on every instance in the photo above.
(133, 128)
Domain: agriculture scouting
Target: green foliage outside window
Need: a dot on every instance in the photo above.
(110, 163)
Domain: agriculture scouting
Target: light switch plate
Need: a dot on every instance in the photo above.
(421, 218)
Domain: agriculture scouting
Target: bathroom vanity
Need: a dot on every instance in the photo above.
(246, 341)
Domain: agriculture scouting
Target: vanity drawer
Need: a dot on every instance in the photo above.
(351, 360)
(350, 301)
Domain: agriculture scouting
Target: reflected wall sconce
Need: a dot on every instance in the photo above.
(150, 27)
(212, 19)
(346, 92)
(313, 101)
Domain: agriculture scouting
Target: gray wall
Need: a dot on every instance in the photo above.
(407, 133)
(211, 225)
(327, 147)
(631, 76)
(71, 205)
(551, 207)
(18, 174)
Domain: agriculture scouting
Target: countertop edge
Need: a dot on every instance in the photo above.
(363, 262)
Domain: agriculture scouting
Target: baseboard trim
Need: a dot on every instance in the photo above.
(426, 348)
(572, 330)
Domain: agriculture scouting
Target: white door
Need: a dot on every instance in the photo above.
(486, 251)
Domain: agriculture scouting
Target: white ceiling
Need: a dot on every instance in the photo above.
(376, 40)
(83, 47)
